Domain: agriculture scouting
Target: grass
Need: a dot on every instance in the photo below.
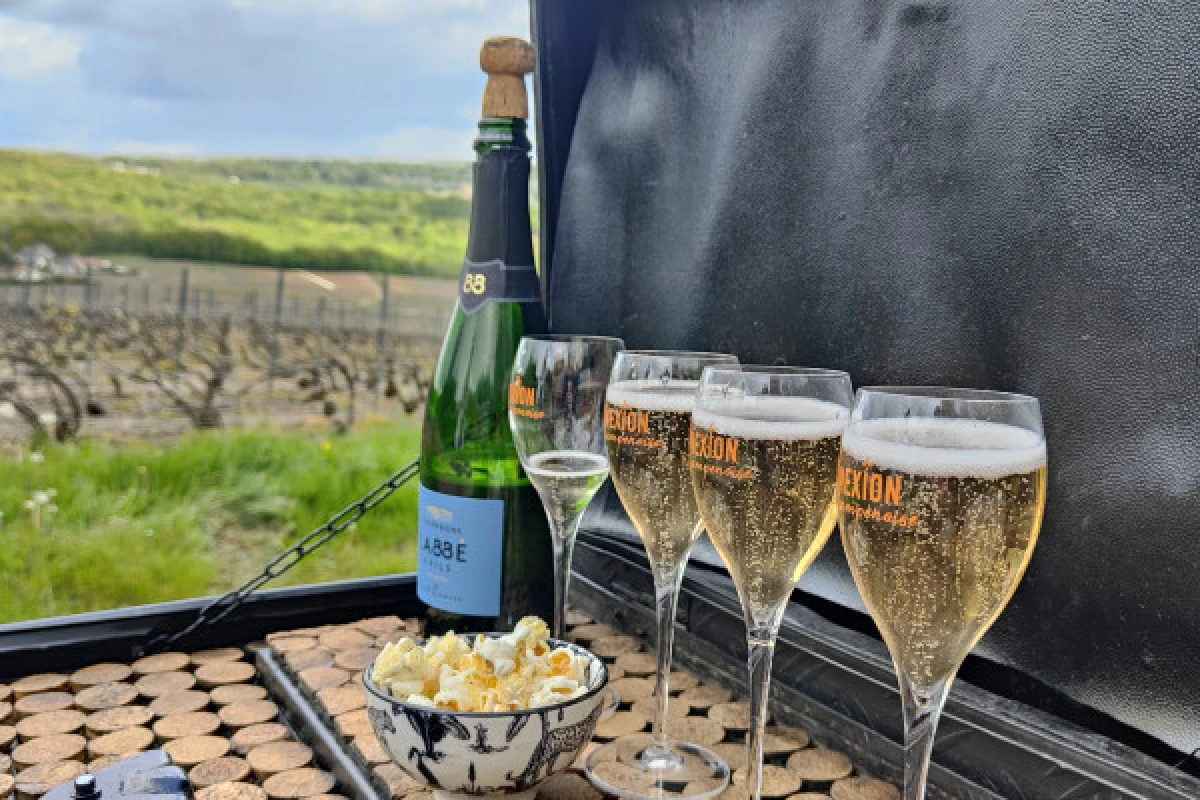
(142, 524)
(316, 218)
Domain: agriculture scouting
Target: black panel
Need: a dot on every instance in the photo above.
(994, 194)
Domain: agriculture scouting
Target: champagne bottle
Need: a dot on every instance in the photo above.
(483, 548)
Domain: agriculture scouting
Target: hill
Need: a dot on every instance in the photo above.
(328, 215)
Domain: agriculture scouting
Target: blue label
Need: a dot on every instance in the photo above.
(460, 543)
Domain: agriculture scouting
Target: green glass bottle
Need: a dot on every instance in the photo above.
(483, 550)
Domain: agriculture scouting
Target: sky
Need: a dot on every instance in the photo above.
(386, 79)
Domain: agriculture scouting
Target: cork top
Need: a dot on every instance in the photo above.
(506, 60)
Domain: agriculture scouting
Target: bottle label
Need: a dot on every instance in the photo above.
(460, 543)
(494, 281)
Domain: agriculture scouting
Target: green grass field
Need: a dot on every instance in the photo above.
(308, 215)
(142, 524)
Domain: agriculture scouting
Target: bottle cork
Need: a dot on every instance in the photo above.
(506, 60)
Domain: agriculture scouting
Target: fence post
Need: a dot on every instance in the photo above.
(383, 317)
(275, 337)
(87, 314)
(182, 320)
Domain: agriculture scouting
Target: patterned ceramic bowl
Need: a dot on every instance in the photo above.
(460, 754)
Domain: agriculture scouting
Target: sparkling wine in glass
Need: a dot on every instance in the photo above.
(764, 456)
(556, 410)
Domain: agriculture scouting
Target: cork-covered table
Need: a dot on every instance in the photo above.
(212, 715)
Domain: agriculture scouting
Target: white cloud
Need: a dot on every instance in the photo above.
(32, 50)
(422, 143)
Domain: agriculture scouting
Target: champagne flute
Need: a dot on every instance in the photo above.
(555, 409)
(940, 493)
(647, 422)
(764, 456)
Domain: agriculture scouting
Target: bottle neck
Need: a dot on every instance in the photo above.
(500, 227)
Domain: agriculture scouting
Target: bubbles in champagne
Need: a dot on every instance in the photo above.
(566, 480)
(938, 550)
(646, 435)
(765, 487)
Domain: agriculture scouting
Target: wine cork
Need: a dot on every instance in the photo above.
(106, 695)
(353, 723)
(51, 723)
(8, 735)
(732, 753)
(47, 749)
(576, 618)
(97, 764)
(6, 784)
(370, 749)
(631, 689)
(239, 715)
(623, 776)
(646, 707)
(820, 765)
(298, 783)
(734, 716)
(156, 684)
(375, 626)
(237, 693)
(35, 684)
(252, 736)
(399, 783)
(31, 704)
(6, 710)
(232, 791)
(319, 678)
(222, 673)
(620, 724)
(679, 681)
(226, 769)
(191, 723)
(5, 763)
(216, 655)
(179, 702)
(506, 60)
(356, 660)
(612, 647)
(780, 739)
(124, 742)
(35, 781)
(188, 751)
(341, 699)
(114, 719)
(776, 781)
(590, 633)
(705, 696)
(162, 662)
(699, 730)
(567, 786)
(312, 658)
(344, 639)
(97, 674)
(270, 759)
(863, 788)
(638, 663)
(293, 644)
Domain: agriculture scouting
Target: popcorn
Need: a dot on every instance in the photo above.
(513, 672)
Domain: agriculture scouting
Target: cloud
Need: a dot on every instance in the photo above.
(356, 78)
(32, 50)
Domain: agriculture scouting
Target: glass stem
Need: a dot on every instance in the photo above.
(562, 540)
(666, 598)
(922, 709)
(760, 643)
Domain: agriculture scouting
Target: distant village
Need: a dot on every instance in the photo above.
(38, 263)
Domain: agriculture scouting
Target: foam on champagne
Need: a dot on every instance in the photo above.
(676, 396)
(773, 417)
(945, 448)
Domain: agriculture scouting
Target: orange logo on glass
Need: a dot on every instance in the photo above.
(630, 426)
(716, 454)
(522, 401)
(867, 493)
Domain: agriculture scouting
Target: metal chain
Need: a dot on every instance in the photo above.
(223, 606)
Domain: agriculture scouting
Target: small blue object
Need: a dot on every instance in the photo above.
(145, 776)
(460, 549)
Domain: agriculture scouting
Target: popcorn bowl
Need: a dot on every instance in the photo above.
(460, 754)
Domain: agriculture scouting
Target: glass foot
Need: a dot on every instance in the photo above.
(628, 767)
(612, 703)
